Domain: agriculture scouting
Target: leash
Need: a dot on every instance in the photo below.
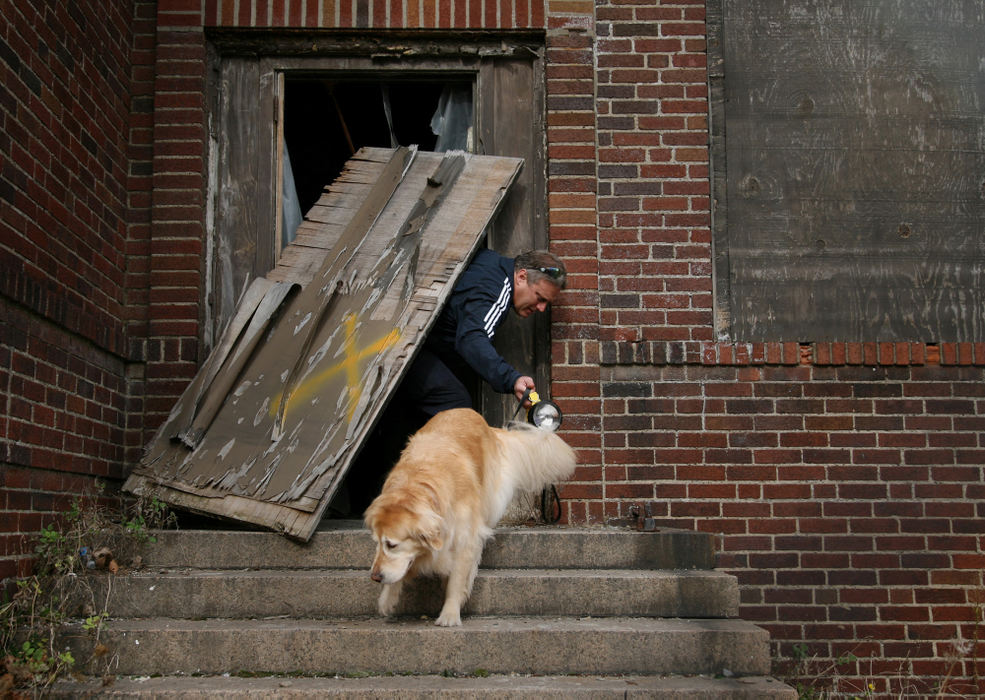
(550, 496)
(526, 395)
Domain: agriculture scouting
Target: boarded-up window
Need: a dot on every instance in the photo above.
(848, 151)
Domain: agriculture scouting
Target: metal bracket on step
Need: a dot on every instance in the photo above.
(645, 523)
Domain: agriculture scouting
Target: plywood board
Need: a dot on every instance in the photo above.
(279, 444)
(848, 152)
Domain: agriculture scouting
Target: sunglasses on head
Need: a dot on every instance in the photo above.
(552, 272)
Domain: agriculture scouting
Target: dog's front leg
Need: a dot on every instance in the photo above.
(389, 597)
(458, 587)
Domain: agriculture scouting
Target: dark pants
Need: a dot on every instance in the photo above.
(431, 387)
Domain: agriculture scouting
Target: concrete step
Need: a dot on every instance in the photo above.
(346, 544)
(322, 593)
(506, 687)
(525, 645)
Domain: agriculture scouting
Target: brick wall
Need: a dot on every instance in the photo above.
(176, 264)
(643, 262)
(847, 486)
(846, 480)
(653, 199)
(572, 197)
(363, 14)
(65, 106)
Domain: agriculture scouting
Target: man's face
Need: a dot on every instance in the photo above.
(528, 298)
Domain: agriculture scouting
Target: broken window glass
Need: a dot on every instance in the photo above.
(290, 207)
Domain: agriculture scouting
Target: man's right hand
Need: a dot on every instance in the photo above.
(520, 388)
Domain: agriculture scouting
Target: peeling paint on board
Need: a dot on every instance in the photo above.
(292, 417)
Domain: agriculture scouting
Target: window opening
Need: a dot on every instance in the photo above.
(295, 117)
(328, 118)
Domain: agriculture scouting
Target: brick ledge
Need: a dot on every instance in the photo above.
(616, 352)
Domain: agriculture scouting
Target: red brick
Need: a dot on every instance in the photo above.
(824, 464)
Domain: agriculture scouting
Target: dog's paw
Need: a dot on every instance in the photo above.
(449, 618)
(387, 604)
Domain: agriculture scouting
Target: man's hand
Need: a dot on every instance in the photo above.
(520, 388)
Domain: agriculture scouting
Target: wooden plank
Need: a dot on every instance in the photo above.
(336, 274)
(853, 143)
(245, 208)
(280, 444)
(511, 123)
(197, 404)
(222, 376)
(300, 261)
(233, 507)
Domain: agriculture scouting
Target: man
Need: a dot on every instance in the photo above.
(458, 348)
(460, 344)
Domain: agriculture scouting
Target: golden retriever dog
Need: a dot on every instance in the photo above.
(440, 503)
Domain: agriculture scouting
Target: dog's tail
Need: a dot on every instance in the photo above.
(536, 457)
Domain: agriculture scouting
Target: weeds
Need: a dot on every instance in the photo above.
(90, 540)
(814, 681)
(817, 679)
(843, 677)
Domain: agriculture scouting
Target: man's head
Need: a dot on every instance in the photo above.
(538, 278)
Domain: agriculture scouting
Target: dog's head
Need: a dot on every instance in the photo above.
(404, 531)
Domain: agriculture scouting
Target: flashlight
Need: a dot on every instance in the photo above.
(543, 414)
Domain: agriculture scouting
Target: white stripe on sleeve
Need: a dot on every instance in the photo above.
(496, 310)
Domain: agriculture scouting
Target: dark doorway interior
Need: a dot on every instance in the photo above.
(327, 119)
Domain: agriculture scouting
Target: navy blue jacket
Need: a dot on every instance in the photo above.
(478, 305)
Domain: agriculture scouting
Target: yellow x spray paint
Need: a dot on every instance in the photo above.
(349, 364)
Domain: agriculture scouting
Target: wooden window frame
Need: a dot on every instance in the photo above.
(507, 69)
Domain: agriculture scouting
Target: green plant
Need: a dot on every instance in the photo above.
(59, 590)
(813, 679)
(148, 514)
(34, 660)
(94, 622)
(824, 679)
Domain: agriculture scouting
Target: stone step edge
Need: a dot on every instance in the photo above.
(374, 623)
(550, 645)
(355, 528)
(397, 686)
(376, 644)
(163, 572)
(239, 594)
(349, 547)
